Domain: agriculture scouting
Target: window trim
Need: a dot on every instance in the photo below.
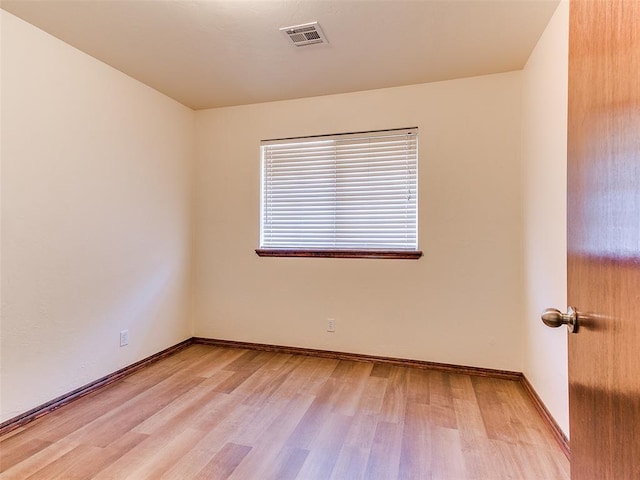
(324, 253)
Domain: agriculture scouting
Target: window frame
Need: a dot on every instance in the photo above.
(328, 252)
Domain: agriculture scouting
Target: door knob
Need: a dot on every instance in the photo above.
(552, 317)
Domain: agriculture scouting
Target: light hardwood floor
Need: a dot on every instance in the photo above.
(215, 413)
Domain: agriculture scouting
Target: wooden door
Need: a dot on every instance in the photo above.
(604, 238)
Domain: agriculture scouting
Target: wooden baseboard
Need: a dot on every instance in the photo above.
(557, 432)
(37, 412)
(56, 403)
(465, 370)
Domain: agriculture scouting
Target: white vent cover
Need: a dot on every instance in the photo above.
(307, 34)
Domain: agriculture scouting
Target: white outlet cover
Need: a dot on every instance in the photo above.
(124, 338)
(331, 325)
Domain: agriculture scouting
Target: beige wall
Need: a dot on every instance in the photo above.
(461, 303)
(96, 182)
(544, 151)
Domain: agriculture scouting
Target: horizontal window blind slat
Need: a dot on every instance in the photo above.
(399, 166)
(301, 150)
(380, 226)
(341, 161)
(351, 189)
(344, 175)
(307, 223)
(390, 229)
(400, 181)
(330, 238)
(347, 244)
(311, 209)
(329, 210)
(327, 155)
(392, 198)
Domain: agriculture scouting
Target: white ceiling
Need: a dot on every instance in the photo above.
(212, 53)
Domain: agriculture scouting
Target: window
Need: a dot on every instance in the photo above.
(348, 195)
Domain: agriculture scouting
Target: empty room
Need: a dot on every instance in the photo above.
(320, 239)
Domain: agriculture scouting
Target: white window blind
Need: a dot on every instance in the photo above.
(341, 192)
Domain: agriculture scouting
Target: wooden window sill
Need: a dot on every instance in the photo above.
(390, 254)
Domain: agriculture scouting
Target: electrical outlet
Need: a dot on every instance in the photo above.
(331, 325)
(124, 338)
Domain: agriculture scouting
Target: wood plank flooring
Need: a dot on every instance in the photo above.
(223, 413)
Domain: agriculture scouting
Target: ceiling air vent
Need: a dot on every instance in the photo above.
(303, 35)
